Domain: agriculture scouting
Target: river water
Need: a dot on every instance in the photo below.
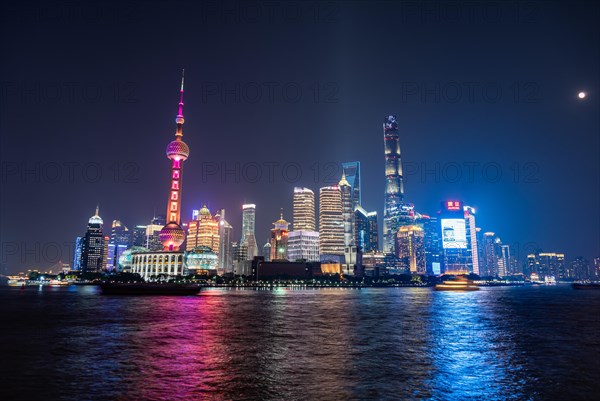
(520, 343)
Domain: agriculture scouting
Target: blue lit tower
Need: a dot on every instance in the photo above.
(351, 170)
(172, 235)
(394, 186)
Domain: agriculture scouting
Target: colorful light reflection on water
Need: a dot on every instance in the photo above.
(321, 344)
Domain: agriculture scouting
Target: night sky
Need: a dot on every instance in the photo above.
(89, 95)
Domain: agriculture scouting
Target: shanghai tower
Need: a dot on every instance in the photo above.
(394, 185)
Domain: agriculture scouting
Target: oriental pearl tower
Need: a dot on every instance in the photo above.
(172, 235)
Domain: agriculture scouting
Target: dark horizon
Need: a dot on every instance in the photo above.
(97, 86)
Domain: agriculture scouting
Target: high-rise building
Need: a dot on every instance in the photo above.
(491, 255)
(303, 245)
(267, 251)
(169, 261)
(456, 256)
(225, 260)
(472, 238)
(347, 211)
(504, 261)
(92, 249)
(331, 221)
(410, 249)
(351, 170)
(204, 232)
(394, 185)
(139, 237)
(248, 233)
(77, 255)
(366, 230)
(153, 242)
(431, 242)
(279, 239)
(105, 241)
(304, 210)
(119, 242)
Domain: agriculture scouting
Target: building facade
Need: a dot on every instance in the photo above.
(92, 248)
(331, 221)
(303, 218)
(394, 184)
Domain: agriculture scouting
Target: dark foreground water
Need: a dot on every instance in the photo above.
(328, 344)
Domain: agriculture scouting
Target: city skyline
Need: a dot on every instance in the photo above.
(538, 120)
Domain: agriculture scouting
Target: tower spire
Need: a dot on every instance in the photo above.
(97, 209)
(180, 120)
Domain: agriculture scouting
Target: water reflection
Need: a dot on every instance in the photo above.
(313, 344)
(471, 353)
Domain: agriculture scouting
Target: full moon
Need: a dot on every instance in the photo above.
(581, 95)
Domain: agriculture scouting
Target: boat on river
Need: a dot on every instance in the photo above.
(457, 284)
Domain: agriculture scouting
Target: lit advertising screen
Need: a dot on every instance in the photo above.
(454, 234)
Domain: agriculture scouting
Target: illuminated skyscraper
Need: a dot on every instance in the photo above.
(504, 261)
(203, 232)
(120, 240)
(347, 211)
(267, 251)
(225, 238)
(433, 248)
(139, 237)
(410, 248)
(472, 238)
(153, 242)
(351, 170)
(92, 249)
(77, 256)
(304, 210)
(105, 241)
(455, 246)
(394, 185)
(303, 245)
(279, 239)
(331, 221)
(169, 261)
(491, 255)
(366, 234)
(248, 233)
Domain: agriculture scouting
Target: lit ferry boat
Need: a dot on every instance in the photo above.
(457, 284)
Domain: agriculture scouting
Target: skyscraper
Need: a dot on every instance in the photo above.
(472, 238)
(366, 234)
(394, 185)
(169, 261)
(279, 239)
(203, 232)
(120, 240)
(351, 170)
(347, 211)
(267, 251)
(453, 230)
(153, 242)
(77, 256)
(331, 221)
(410, 248)
(139, 237)
(248, 226)
(92, 249)
(225, 264)
(304, 210)
(303, 245)
(491, 255)
(433, 248)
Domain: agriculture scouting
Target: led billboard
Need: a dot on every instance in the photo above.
(454, 234)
